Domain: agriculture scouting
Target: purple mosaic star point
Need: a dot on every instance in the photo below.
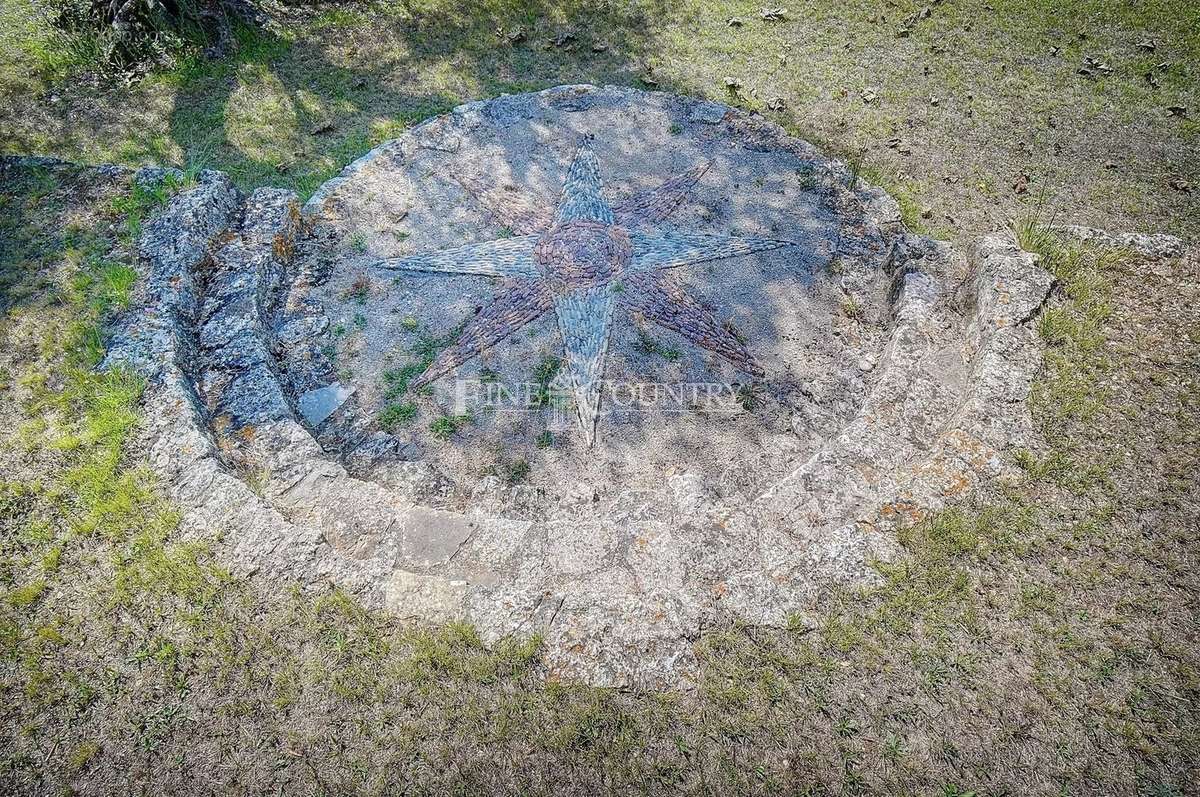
(582, 261)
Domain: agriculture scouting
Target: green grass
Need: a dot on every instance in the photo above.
(447, 426)
(544, 373)
(651, 347)
(294, 106)
(397, 414)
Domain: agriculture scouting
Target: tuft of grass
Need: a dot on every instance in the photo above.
(517, 471)
(25, 596)
(397, 414)
(543, 374)
(396, 380)
(649, 346)
(853, 309)
(82, 755)
(447, 426)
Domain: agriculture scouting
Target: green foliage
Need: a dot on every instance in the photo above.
(124, 34)
(397, 414)
(447, 426)
(27, 595)
(516, 471)
(543, 374)
(647, 345)
(395, 380)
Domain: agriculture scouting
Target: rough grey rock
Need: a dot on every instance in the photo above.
(618, 559)
(1157, 246)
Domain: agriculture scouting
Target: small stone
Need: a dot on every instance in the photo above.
(773, 14)
(732, 84)
(927, 212)
(735, 22)
(1180, 184)
(1147, 45)
(865, 365)
(318, 404)
(869, 95)
(776, 104)
(322, 127)
(1177, 110)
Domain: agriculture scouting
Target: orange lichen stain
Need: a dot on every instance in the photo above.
(282, 247)
(641, 542)
(720, 590)
(868, 473)
(247, 433)
(903, 511)
(958, 485)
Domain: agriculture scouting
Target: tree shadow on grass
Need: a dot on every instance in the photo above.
(293, 109)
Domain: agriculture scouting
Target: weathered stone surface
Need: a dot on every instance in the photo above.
(319, 403)
(894, 375)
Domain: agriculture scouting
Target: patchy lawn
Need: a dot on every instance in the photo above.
(967, 112)
(1040, 639)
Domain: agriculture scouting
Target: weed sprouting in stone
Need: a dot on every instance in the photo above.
(543, 374)
(517, 471)
(447, 426)
(853, 309)
(649, 346)
(397, 414)
(359, 290)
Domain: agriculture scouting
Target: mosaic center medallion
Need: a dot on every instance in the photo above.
(581, 262)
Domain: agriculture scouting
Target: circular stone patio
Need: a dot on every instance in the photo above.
(673, 372)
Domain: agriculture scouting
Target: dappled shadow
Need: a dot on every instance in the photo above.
(292, 110)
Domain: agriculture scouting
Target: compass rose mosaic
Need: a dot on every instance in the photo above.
(583, 260)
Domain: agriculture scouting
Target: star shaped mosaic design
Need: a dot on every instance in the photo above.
(582, 261)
